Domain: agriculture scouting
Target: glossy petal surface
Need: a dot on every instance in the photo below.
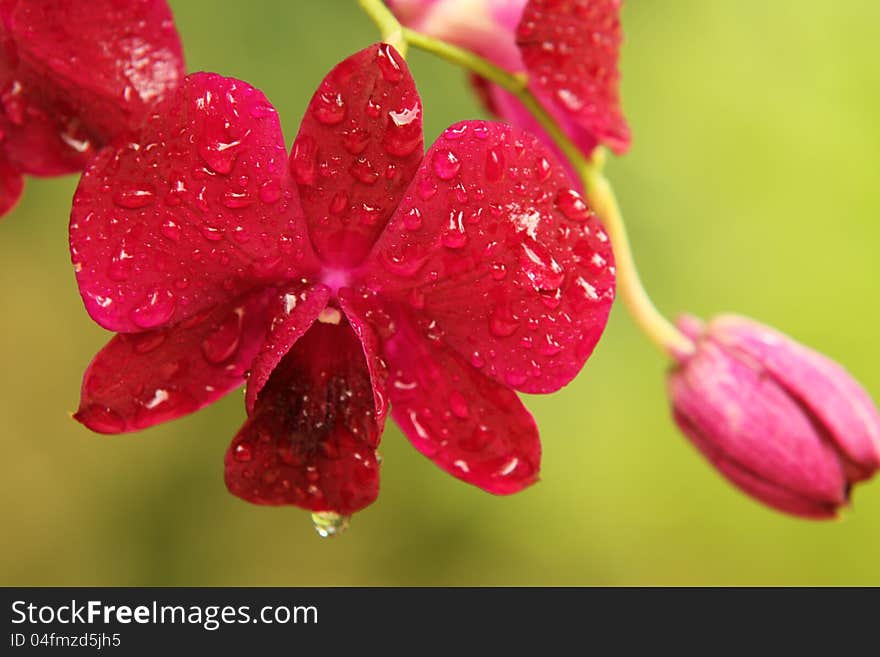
(142, 379)
(74, 74)
(570, 48)
(312, 438)
(200, 208)
(744, 421)
(470, 426)
(500, 258)
(358, 147)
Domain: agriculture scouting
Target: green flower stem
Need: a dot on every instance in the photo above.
(599, 191)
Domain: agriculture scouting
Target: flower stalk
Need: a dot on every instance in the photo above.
(659, 330)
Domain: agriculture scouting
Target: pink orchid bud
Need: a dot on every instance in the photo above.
(782, 422)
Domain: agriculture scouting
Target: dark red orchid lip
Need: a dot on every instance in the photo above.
(69, 83)
(361, 274)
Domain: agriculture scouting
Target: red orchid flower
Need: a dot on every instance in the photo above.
(75, 74)
(362, 273)
(569, 49)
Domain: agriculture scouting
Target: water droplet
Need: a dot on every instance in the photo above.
(499, 271)
(427, 188)
(549, 346)
(170, 230)
(570, 100)
(405, 261)
(362, 170)
(144, 343)
(219, 154)
(236, 200)
(270, 191)
(242, 453)
(388, 64)
(540, 266)
(413, 219)
(494, 164)
(212, 233)
(502, 323)
(120, 265)
(303, 160)
(458, 405)
(446, 164)
(373, 109)
(224, 341)
(477, 360)
(156, 309)
(329, 524)
(329, 107)
(369, 215)
(454, 237)
(339, 203)
(134, 197)
(403, 133)
(542, 169)
(572, 205)
(355, 140)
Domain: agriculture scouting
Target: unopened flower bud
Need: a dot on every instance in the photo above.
(782, 422)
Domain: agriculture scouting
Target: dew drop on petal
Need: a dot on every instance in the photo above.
(572, 205)
(224, 341)
(329, 107)
(156, 309)
(242, 453)
(458, 405)
(494, 164)
(303, 160)
(446, 164)
(502, 324)
(134, 197)
(413, 219)
(388, 64)
(270, 191)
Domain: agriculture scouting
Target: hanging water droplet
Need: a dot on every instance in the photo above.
(329, 523)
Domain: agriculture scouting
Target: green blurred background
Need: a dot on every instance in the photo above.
(752, 186)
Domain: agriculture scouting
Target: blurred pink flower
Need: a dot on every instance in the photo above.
(569, 48)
